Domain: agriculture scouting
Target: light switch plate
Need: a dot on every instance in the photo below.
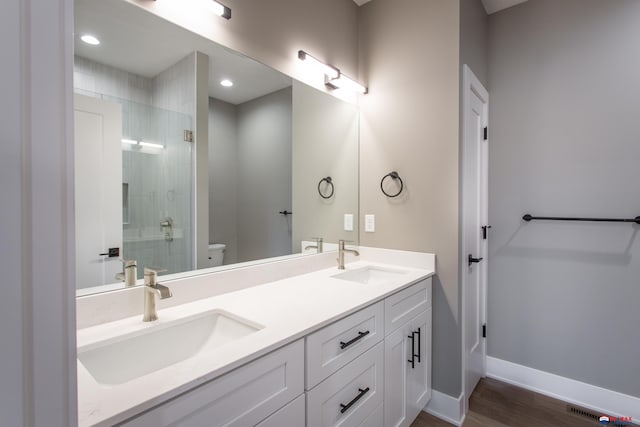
(348, 222)
(370, 223)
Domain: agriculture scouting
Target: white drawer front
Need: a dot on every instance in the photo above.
(358, 386)
(291, 415)
(242, 397)
(375, 419)
(332, 347)
(401, 307)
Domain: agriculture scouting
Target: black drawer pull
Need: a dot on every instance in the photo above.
(345, 408)
(361, 335)
(415, 356)
(413, 350)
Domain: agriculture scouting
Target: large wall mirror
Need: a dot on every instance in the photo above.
(150, 99)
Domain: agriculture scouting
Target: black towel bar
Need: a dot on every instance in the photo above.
(528, 218)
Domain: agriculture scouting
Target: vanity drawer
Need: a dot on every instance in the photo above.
(403, 306)
(242, 397)
(351, 395)
(332, 347)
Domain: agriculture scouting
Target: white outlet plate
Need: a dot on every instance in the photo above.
(348, 222)
(370, 223)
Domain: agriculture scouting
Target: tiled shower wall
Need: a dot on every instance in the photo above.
(159, 181)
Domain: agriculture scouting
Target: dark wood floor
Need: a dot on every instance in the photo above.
(496, 404)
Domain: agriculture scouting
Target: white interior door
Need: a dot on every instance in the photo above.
(474, 236)
(98, 189)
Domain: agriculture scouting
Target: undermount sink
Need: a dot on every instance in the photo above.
(126, 357)
(370, 275)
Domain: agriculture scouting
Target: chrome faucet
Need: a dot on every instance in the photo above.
(317, 246)
(130, 273)
(341, 251)
(151, 289)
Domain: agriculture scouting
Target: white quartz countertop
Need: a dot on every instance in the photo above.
(288, 309)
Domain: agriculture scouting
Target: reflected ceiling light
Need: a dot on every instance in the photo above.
(151, 144)
(129, 141)
(327, 70)
(221, 10)
(226, 83)
(89, 39)
(344, 82)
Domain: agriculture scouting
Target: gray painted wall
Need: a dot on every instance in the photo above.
(325, 143)
(409, 56)
(264, 176)
(474, 39)
(563, 297)
(223, 164)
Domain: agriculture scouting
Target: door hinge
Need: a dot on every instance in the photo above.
(484, 231)
(188, 136)
(486, 133)
(484, 330)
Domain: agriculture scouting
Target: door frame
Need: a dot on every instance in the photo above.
(470, 83)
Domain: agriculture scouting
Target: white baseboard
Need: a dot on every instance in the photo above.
(606, 402)
(447, 408)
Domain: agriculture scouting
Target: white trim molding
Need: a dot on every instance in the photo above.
(598, 399)
(447, 408)
(37, 308)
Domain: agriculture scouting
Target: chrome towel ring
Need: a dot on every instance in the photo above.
(329, 184)
(393, 175)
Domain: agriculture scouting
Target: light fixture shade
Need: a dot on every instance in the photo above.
(327, 70)
(221, 10)
(344, 82)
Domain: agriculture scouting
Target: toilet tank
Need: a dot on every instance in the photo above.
(216, 254)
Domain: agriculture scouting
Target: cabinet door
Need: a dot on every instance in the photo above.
(396, 367)
(407, 375)
(242, 397)
(419, 376)
(291, 415)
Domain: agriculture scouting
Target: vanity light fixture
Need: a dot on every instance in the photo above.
(344, 82)
(327, 70)
(221, 10)
(89, 39)
(151, 144)
(226, 83)
(129, 141)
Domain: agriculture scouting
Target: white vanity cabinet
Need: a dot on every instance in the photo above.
(246, 396)
(372, 368)
(408, 355)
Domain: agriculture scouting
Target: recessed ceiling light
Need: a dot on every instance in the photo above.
(89, 39)
(226, 83)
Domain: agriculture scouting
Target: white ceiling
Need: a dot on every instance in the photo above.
(141, 43)
(491, 6)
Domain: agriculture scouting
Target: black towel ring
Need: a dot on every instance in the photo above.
(394, 175)
(329, 182)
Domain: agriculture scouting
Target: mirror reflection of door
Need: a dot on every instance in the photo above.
(98, 189)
